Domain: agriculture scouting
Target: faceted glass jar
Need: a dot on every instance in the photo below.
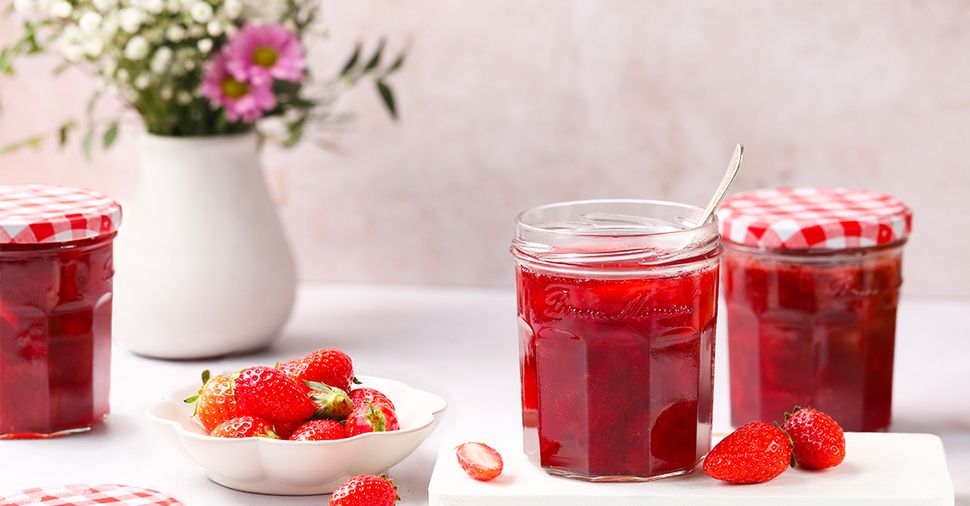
(55, 336)
(811, 327)
(617, 307)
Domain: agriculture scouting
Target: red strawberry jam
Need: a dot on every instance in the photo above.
(811, 282)
(813, 333)
(55, 309)
(616, 352)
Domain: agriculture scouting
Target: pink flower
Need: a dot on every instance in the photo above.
(241, 100)
(259, 53)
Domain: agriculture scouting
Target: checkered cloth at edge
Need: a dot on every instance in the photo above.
(88, 495)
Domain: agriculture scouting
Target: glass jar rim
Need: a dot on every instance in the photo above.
(687, 208)
(614, 235)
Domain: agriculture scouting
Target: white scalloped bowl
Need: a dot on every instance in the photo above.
(268, 466)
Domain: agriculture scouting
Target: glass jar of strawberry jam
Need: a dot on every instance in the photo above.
(617, 306)
(811, 282)
(55, 309)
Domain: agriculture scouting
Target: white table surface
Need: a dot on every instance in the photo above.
(460, 343)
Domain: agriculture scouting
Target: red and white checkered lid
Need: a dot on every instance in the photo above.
(822, 218)
(90, 495)
(36, 214)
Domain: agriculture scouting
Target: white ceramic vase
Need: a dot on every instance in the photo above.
(203, 267)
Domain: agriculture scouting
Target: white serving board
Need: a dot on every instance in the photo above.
(880, 469)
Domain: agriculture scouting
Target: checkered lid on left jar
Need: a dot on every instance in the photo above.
(45, 214)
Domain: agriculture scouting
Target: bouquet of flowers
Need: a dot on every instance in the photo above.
(196, 67)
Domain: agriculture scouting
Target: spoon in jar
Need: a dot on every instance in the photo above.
(732, 171)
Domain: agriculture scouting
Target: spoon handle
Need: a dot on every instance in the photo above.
(732, 171)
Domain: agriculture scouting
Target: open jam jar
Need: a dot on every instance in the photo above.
(811, 281)
(55, 309)
(617, 306)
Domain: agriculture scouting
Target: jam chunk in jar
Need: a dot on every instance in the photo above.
(55, 309)
(811, 282)
(617, 306)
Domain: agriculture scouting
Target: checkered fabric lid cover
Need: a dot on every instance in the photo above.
(88, 495)
(821, 218)
(35, 214)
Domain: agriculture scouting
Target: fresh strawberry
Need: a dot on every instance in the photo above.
(272, 395)
(365, 490)
(754, 453)
(371, 417)
(332, 403)
(362, 394)
(818, 441)
(285, 429)
(479, 460)
(330, 367)
(319, 430)
(215, 402)
(244, 426)
(296, 369)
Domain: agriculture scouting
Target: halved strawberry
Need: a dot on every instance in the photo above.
(479, 460)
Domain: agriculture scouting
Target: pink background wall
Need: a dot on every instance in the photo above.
(509, 104)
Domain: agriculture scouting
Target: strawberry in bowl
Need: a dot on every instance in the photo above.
(316, 462)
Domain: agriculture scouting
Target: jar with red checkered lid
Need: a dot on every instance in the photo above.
(811, 279)
(55, 308)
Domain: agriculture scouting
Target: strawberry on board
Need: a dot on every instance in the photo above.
(244, 426)
(365, 490)
(271, 394)
(371, 417)
(362, 394)
(818, 441)
(479, 460)
(756, 452)
(215, 402)
(319, 430)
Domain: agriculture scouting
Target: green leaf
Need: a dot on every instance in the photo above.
(110, 135)
(63, 131)
(351, 62)
(388, 97)
(376, 59)
(6, 60)
(88, 141)
(92, 102)
(33, 142)
(396, 65)
(58, 70)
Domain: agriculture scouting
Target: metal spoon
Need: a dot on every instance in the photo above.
(732, 171)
